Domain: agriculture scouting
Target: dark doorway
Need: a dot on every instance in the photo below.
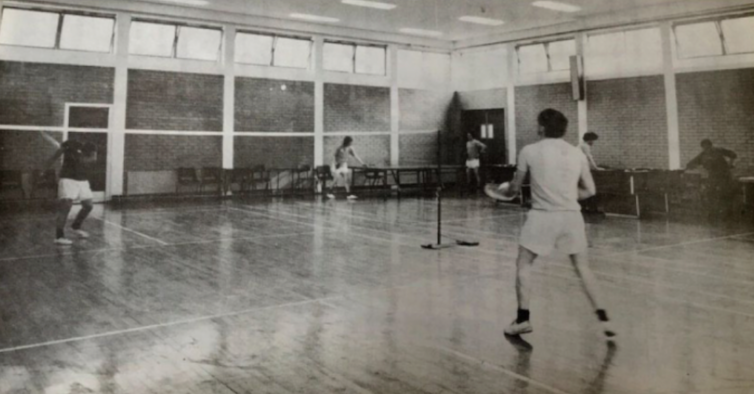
(488, 126)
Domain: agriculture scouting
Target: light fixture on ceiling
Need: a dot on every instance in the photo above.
(198, 3)
(557, 6)
(420, 32)
(370, 4)
(314, 18)
(481, 21)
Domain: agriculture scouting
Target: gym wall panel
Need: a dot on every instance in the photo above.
(630, 117)
(34, 94)
(159, 100)
(273, 152)
(532, 99)
(144, 152)
(418, 149)
(274, 105)
(718, 105)
(356, 108)
(484, 99)
(423, 109)
(25, 150)
(373, 149)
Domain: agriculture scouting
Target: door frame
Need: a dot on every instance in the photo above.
(98, 196)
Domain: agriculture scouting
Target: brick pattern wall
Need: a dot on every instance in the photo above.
(34, 94)
(630, 117)
(356, 108)
(423, 109)
(25, 150)
(531, 100)
(160, 100)
(718, 105)
(373, 149)
(418, 149)
(274, 105)
(273, 152)
(169, 152)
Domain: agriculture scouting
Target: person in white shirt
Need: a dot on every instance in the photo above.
(560, 177)
(474, 149)
(340, 170)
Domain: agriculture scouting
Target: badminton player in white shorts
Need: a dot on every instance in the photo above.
(474, 149)
(560, 177)
(340, 170)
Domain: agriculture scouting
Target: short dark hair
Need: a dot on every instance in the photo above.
(347, 141)
(554, 122)
(591, 136)
(706, 142)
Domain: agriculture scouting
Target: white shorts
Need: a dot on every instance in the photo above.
(472, 163)
(340, 171)
(545, 230)
(69, 189)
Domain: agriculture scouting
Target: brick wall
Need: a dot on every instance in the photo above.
(531, 100)
(274, 105)
(160, 100)
(373, 149)
(629, 115)
(273, 152)
(718, 105)
(423, 109)
(356, 108)
(35, 94)
(169, 152)
(25, 150)
(418, 149)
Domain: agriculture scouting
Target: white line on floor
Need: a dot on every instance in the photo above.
(159, 241)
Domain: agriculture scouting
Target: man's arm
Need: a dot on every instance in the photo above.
(355, 156)
(586, 186)
(482, 147)
(518, 179)
(732, 156)
(55, 157)
(695, 162)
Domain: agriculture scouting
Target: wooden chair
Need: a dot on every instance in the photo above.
(211, 176)
(259, 174)
(306, 171)
(187, 177)
(323, 174)
(240, 177)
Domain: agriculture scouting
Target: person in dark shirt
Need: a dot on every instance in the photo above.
(718, 162)
(73, 185)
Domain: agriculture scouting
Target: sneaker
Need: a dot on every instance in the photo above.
(81, 233)
(330, 196)
(518, 328)
(352, 197)
(63, 241)
(608, 331)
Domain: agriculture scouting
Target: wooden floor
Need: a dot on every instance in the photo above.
(336, 297)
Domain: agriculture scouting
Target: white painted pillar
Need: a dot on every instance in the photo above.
(582, 104)
(229, 96)
(319, 103)
(117, 140)
(395, 108)
(671, 96)
(510, 107)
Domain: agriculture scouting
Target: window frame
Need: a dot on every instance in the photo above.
(355, 45)
(275, 36)
(61, 13)
(718, 21)
(546, 45)
(176, 37)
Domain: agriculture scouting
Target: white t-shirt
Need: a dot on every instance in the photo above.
(554, 168)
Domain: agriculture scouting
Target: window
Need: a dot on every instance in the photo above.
(698, 40)
(152, 39)
(29, 28)
(545, 57)
(739, 35)
(271, 50)
(174, 40)
(198, 43)
(86, 33)
(355, 58)
(633, 51)
(338, 57)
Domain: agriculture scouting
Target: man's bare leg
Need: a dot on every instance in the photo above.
(580, 263)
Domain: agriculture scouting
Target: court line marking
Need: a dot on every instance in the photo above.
(697, 241)
(501, 369)
(161, 242)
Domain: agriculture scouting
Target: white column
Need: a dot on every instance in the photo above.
(510, 108)
(117, 140)
(582, 104)
(319, 103)
(229, 96)
(671, 97)
(395, 108)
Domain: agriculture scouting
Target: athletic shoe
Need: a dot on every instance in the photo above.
(352, 197)
(608, 331)
(518, 328)
(81, 233)
(330, 196)
(63, 241)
